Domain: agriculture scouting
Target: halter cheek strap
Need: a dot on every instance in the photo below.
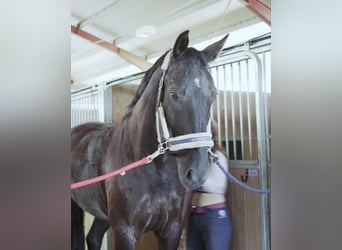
(161, 125)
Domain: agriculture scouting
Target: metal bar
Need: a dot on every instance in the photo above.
(101, 103)
(218, 108)
(128, 56)
(84, 102)
(80, 111)
(226, 110)
(85, 106)
(77, 113)
(261, 133)
(73, 109)
(211, 108)
(249, 114)
(105, 103)
(94, 107)
(72, 117)
(241, 115)
(89, 109)
(254, 138)
(266, 110)
(232, 99)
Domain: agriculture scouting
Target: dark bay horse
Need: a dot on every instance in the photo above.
(148, 198)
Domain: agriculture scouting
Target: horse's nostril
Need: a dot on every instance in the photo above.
(189, 174)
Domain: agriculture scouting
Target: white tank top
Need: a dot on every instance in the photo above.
(217, 181)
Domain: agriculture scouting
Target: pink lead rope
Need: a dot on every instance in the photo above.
(136, 164)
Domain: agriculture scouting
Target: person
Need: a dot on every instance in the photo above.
(209, 223)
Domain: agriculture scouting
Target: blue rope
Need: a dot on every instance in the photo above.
(236, 181)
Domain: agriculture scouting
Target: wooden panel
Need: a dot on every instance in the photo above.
(122, 97)
(238, 210)
(244, 207)
(253, 215)
(147, 242)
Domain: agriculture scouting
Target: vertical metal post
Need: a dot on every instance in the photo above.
(82, 110)
(262, 152)
(92, 107)
(105, 103)
(87, 107)
(212, 106)
(78, 105)
(249, 114)
(266, 105)
(218, 108)
(226, 111)
(232, 99)
(242, 138)
(104, 98)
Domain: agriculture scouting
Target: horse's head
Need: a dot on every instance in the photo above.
(187, 94)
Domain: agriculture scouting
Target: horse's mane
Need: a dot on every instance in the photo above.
(144, 82)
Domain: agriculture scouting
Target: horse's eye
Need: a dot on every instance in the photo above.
(174, 95)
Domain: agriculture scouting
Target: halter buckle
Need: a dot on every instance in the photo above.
(162, 147)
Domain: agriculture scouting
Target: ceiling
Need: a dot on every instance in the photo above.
(115, 23)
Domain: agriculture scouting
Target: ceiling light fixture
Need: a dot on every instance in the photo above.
(145, 31)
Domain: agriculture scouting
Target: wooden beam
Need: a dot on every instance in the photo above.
(128, 56)
(260, 9)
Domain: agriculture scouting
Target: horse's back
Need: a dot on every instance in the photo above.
(89, 142)
(93, 129)
(88, 145)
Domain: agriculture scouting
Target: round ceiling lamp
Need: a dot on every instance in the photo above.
(145, 31)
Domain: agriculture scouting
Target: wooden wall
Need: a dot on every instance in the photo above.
(244, 205)
(245, 212)
(121, 98)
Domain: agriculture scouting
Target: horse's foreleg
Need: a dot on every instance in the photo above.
(171, 240)
(95, 235)
(124, 238)
(77, 228)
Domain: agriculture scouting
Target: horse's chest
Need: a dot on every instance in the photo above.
(156, 211)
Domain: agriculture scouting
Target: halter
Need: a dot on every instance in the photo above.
(192, 140)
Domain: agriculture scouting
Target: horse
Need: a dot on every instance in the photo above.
(173, 100)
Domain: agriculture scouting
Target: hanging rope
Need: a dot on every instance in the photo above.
(213, 34)
(236, 181)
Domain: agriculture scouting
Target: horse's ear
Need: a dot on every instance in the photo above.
(181, 43)
(212, 51)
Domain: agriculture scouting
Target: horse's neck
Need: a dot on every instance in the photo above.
(142, 126)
